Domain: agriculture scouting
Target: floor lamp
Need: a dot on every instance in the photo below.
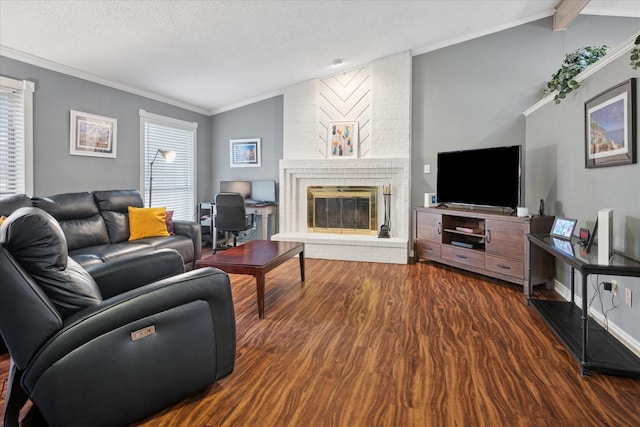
(169, 156)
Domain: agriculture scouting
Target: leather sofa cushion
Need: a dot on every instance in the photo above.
(86, 260)
(104, 253)
(113, 205)
(182, 244)
(37, 243)
(78, 217)
(11, 203)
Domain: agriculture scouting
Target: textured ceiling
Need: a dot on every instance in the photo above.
(209, 56)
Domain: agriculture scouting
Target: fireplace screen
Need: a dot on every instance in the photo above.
(342, 209)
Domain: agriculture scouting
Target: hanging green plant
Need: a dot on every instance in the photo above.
(635, 55)
(563, 80)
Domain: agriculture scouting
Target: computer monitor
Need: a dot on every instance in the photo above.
(263, 191)
(242, 187)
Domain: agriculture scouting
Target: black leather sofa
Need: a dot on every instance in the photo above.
(96, 226)
(112, 348)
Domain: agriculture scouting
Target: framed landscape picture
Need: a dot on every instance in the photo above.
(610, 127)
(244, 153)
(92, 135)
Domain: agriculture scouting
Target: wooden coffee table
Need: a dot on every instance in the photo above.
(256, 258)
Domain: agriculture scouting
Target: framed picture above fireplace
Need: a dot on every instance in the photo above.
(342, 140)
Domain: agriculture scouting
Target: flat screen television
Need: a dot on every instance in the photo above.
(480, 177)
(263, 191)
(242, 187)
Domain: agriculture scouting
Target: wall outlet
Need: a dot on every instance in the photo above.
(614, 287)
(627, 296)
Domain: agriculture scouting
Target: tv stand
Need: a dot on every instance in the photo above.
(491, 243)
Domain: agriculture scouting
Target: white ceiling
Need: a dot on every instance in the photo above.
(210, 56)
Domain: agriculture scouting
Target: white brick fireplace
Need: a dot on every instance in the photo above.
(297, 175)
(380, 103)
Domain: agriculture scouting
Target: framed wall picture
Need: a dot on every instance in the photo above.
(342, 140)
(244, 153)
(611, 127)
(92, 135)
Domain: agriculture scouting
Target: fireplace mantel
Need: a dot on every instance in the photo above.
(296, 175)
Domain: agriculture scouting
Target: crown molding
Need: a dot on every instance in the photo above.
(471, 36)
(74, 72)
(244, 103)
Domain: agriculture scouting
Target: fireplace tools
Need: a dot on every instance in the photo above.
(385, 228)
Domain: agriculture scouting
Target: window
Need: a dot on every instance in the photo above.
(173, 183)
(16, 137)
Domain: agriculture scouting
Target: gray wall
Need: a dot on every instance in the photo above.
(55, 170)
(555, 138)
(260, 120)
(473, 94)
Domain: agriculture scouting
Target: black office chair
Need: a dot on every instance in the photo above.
(230, 218)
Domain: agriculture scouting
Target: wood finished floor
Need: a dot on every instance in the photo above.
(363, 344)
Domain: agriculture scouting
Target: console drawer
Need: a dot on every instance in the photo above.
(506, 266)
(465, 256)
(427, 249)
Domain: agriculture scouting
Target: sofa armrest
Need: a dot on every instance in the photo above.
(103, 324)
(122, 275)
(193, 231)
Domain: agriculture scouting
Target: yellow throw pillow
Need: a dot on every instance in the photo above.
(147, 222)
(2, 218)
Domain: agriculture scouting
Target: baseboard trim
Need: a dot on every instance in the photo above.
(628, 341)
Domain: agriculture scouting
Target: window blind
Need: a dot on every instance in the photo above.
(16, 111)
(173, 183)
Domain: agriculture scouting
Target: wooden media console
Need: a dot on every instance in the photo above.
(486, 242)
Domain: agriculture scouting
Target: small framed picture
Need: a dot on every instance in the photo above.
(562, 228)
(342, 140)
(610, 127)
(244, 153)
(92, 135)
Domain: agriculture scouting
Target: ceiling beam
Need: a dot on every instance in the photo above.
(566, 12)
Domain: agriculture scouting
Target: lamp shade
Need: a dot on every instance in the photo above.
(168, 155)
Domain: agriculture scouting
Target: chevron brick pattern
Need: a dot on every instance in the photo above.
(345, 97)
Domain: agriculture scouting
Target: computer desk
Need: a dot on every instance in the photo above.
(265, 211)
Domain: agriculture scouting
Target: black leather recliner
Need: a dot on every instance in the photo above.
(88, 359)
